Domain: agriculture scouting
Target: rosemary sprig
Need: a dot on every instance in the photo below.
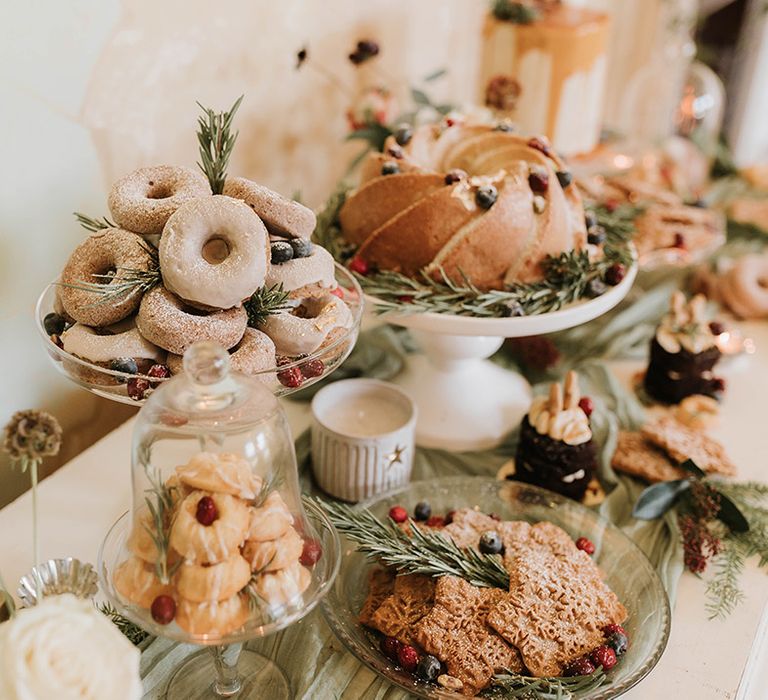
(723, 590)
(216, 140)
(424, 552)
(273, 482)
(327, 231)
(93, 225)
(264, 302)
(160, 504)
(133, 632)
(514, 685)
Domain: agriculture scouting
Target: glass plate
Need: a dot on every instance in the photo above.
(111, 384)
(625, 568)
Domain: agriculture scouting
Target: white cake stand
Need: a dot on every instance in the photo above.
(465, 402)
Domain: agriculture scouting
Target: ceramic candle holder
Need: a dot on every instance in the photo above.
(362, 438)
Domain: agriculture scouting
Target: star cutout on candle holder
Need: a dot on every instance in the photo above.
(395, 457)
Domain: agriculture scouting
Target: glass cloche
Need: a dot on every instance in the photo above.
(217, 548)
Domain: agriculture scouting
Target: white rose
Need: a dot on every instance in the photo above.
(64, 648)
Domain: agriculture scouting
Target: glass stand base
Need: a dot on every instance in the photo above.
(257, 677)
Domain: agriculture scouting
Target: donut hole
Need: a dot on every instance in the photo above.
(215, 250)
(158, 190)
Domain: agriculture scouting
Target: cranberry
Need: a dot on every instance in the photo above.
(163, 609)
(408, 657)
(603, 656)
(338, 292)
(718, 384)
(398, 514)
(138, 388)
(435, 521)
(310, 553)
(291, 377)
(679, 241)
(538, 180)
(587, 405)
(449, 122)
(454, 176)
(585, 545)
(359, 266)
(206, 512)
(494, 516)
(580, 667)
(312, 368)
(159, 372)
(405, 298)
(449, 517)
(540, 144)
(390, 647)
(608, 630)
(395, 151)
(615, 273)
(716, 328)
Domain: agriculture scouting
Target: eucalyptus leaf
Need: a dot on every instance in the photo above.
(731, 516)
(434, 75)
(420, 97)
(690, 466)
(659, 498)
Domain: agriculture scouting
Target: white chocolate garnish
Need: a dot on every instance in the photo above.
(559, 416)
(685, 326)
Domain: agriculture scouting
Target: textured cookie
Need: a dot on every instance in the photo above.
(681, 443)
(381, 583)
(637, 456)
(557, 603)
(411, 599)
(455, 631)
(469, 524)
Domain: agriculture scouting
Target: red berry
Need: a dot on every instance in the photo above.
(580, 667)
(450, 122)
(449, 517)
(206, 512)
(615, 274)
(716, 328)
(138, 388)
(603, 656)
(389, 647)
(312, 368)
(408, 657)
(718, 384)
(538, 180)
(163, 609)
(453, 176)
(585, 545)
(435, 521)
(494, 516)
(311, 553)
(608, 630)
(679, 241)
(360, 266)
(587, 405)
(159, 372)
(291, 377)
(398, 514)
(338, 292)
(540, 144)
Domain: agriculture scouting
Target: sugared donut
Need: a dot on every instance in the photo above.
(270, 520)
(212, 618)
(225, 472)
(214, 252)
(105, 252)
(144, 200)
(217, 582)
(316, 268)
(303, 330)
(167, 321)
(104, 346)
(745, 287)
(282, 216)
(137, 581)
(209, 544)
(253, 354)
(282, 587)
(273, 555)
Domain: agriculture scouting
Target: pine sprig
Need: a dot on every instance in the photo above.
(266, 301)
(514, 685)
(327, 231)
(723, 590)
(424, 552)
(132, 631)
(216, 141)
(93, 225)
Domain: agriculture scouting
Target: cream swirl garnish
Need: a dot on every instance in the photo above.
(560, 417)
(685, 327)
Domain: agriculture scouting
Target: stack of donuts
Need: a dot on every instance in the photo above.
(741, 285)
(213, 252)
(228, 540)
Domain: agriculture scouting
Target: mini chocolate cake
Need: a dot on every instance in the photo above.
(683, 354)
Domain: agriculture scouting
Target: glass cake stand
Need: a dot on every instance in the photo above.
(465, 401)
(112, 384)
(642, 592)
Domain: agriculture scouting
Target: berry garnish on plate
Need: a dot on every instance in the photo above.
(138, 388)
(486, 196)
(490, 542)
(359, 266)
(618, 642)
(587, 405)
(403, 135)
(603, 656)
(422, 511)
(159, 372)
(54, 324)
(408, 657)
(585, 545)
(127, 365)
(291, 377)
(615, 274)
(163, 609)
(538, 179)
(389, 647)
(435, 521)
(453, 176)
(428, 668)
(580, 667)
(281, 252)
(312, 368)
(206, 512)
(310, 553)
(398, 514)
(390, 167)
(302, 247)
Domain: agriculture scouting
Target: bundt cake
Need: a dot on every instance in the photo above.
(473, 202)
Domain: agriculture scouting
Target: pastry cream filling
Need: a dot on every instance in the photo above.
(561, 418)
(684, 327)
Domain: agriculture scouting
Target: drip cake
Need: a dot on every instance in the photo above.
(544, 65)
(556, 450)
(466, 201)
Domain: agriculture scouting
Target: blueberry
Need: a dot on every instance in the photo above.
(596, 235)
(618, 642)
(590, 219)
(282, 252)
(124, 364)
(390, 168)
(486, 196)
(302, 247)
(429, 668)
(54, 324)
(596, 288)
(403, 135)
(490, 542)
(422, 511)
(564, 178)
(513, 309)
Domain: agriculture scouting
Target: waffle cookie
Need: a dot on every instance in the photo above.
(637, 456)
(411, 599)
(381, 584)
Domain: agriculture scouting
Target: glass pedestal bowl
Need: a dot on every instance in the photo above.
(625, 568)
(282, 380)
